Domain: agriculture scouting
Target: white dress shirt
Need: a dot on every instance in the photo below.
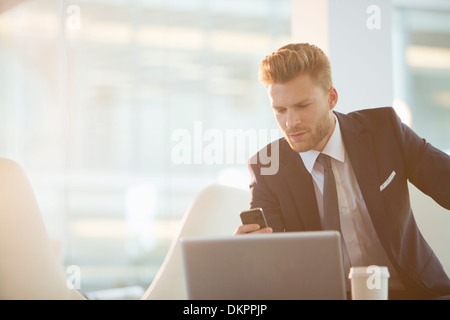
(362, 246)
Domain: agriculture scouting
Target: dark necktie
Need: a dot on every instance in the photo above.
(330, 200)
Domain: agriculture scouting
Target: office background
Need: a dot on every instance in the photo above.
(92, 92)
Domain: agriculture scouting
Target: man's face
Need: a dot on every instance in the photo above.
(303, 112)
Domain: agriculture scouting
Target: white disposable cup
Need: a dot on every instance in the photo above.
(369, 283)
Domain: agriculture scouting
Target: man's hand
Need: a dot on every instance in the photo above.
(251, 228)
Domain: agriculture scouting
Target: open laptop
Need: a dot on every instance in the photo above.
(287, 266)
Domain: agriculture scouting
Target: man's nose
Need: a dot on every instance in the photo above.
(293, 119)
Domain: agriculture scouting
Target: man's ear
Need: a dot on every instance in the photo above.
(332, 98)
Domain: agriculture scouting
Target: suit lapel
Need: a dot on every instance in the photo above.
(359, 146)
(302, 189)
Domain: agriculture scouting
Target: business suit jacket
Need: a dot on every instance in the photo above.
(377, 143)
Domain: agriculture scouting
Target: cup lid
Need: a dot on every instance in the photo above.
(356, 272)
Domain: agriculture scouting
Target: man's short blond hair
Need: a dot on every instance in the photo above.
(293, 60)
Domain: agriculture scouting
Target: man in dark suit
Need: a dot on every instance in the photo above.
(373, 155)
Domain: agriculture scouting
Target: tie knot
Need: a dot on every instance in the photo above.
(324, 160)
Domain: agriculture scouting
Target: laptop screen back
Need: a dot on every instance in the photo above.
(287, 266)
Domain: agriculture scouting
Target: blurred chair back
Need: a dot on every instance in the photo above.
(434, 223)
(29, 268)
(215, 212)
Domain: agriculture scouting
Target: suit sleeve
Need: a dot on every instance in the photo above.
(263, 197)
(428, 168)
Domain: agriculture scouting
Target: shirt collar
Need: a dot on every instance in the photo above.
(334, 148)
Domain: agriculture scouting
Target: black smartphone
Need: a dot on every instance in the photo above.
(254, 216)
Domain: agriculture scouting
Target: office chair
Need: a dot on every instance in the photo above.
(29, 268)
(215, 212)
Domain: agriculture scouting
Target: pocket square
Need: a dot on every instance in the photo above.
(388, 181)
